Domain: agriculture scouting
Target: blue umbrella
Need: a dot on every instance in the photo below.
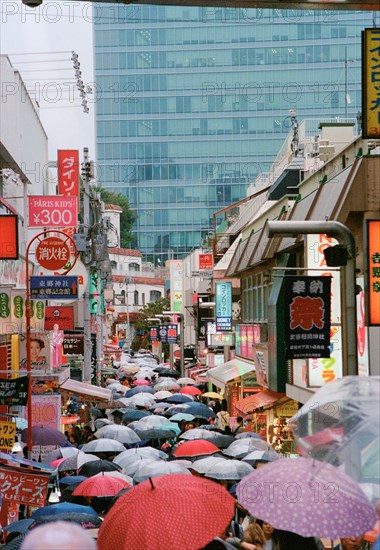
(197, 409)
(21, 526)
(138, 389)
(63, 507)
(178, 398)
(182, 416)
(132, 415)
(71, 480)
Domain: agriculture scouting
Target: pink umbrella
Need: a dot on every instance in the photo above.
(141, 383)
(57, 462)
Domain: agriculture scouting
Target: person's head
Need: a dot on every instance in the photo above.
(239, 420)
(351, 543)
(267, 528)
(36, 346)
(58, 535)
(254, 535)
(189, 426)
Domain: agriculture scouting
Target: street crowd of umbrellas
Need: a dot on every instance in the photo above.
(157, 474)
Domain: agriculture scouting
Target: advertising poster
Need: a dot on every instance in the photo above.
(223, 307)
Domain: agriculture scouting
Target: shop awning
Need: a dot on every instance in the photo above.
(87, 390)
(226, 372)
(260, 399)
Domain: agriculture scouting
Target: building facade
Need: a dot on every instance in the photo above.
(193, 103)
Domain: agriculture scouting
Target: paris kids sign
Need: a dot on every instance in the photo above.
(307, 317)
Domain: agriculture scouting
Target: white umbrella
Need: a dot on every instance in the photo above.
(120, 475)
(116, 386)
(241, 447)
(229, 469)
(105, 445)
(118, 432)
(186, 381)
(142, 400)
(162, 394)
(264, 456)
(205, 465)
(76, 461)
(62, 452)
(167, 385)
(131, 455)
(154, 469)
(100, 422)
(131, 468)
(148, 422)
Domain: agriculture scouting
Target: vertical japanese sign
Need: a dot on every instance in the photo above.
(176, 285)
(307, 317)
(371, 83)
(373, 263)
(223, 307)
(7, 435)
(9, 237)
(68, 173)
(153, 334)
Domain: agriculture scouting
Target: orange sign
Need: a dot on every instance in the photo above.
(52, 253)
(23, 487)
(206, 261)
(374, 271)
(9, 238)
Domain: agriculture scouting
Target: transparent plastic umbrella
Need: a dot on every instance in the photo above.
(154, 469)
(130, 455)
(120, 433)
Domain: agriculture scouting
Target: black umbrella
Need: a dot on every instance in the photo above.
(87, 521)
(96, 466)
(132, 415)
(170, 372)
(155, 433)
(138, 389)
(178, 398)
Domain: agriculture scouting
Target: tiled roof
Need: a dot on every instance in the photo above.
(114, 207)
(125, 252)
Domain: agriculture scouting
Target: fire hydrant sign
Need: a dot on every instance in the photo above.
(23, 487)
(7, 435)
(52, 211)
(307, 317)
(58, 287)
(52, 253)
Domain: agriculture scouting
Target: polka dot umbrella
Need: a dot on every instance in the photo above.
(298, 495)
(167, 513)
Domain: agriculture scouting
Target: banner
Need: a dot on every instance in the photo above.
(373, 263)
(73, 344)
(168, 334)
(63, 316)
(223, 307)
(153, 334)
(14, 392)
(307, 317)
(23, 486)
(371, 83)
(68, 173)
(9, 237)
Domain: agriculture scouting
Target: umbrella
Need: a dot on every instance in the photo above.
(205, 465)
(182, 416)
(62, 452)
(340, 421)
(170, 372)
(104, 445)
(71, 480)
(261, 456)
(119, 475)
(141, 383)
(186, 381)
(62, 507)
(162, 394)
(123, 434)
(241, 447)
(15, 543)
(314, 503)
(43, 436)
(167, 385)
(131, 416)
(95, 466)
(190, 390)
(220, 440)
(155, 469)
(212, 395)
(149, 422)
(197, 447)
(159, 432)
(57, 462)
(116, 386)
(75, 462)
(143, 517)
(246, 435)
(179, 398)
(187, 463)
(100, 422)
(227, 469)
(131, 468)
(21, 526)
(130, 455)
(198, 409)
(86, 521)
(137, 390)
(143, 400)
(100, 486)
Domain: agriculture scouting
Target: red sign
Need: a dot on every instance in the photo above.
(9, 238)
(52, 253)
(45, 211)
(374, 271)
(23, 487)
(68, 173)
(61, 316)
(206, 261)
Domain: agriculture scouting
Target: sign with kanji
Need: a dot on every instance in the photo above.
(206, 261)
(73, 344)
(7, 435)
(57, 287)
(52, 253)
(61, 316)
(68, 173)
(9, 237)
(307, 317)
(153, 334)
(373, 263)
(52, 211)
(23, 487)
(223, 307)
(371, 83)
(168, 334)
(14, 391)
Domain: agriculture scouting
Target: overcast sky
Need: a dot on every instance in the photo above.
(39, 43)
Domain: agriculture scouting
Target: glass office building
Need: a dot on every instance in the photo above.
(193, 103)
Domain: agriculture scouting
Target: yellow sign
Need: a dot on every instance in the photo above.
(7, 435)
(371, 83)
(290, 408)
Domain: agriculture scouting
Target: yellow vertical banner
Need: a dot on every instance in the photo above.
(371, 83)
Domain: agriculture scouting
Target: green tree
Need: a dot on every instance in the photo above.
(142, 324)
(127, 217)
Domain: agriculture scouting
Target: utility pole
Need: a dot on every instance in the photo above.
(86, 174)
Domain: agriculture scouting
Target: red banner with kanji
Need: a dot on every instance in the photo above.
(68, 173)
(23, 487)
(307, 317)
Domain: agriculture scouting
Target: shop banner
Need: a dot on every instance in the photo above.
(73, 344)
(223, 307)
(206, 261)
(373, 263)
(14, 391)
(153, 334)
(370, 84)
(46, 411)
(7, 435)
(321, 371)
(362, 332)
(68, 172)
(307, 317)
(61, 316)
(261, 364)
(9, 237)
(168, 334)
(23, 486)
